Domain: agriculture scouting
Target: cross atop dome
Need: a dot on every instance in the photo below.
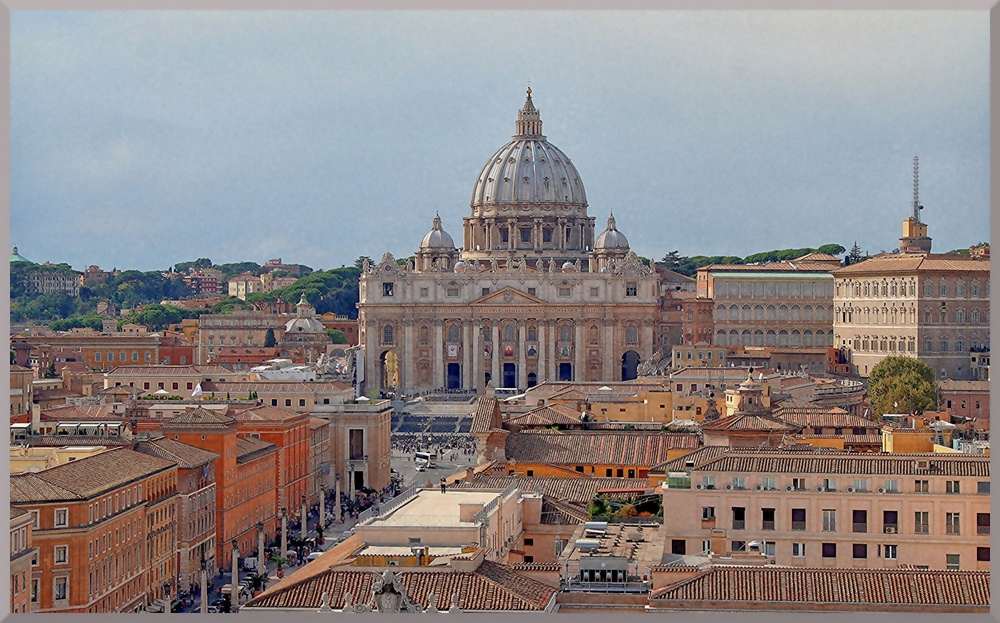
(529, 121)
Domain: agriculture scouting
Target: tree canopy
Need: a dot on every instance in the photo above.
(902, 385)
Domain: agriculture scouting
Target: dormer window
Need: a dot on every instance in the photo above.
(387, 288)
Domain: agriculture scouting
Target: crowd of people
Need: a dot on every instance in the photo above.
(450, 444)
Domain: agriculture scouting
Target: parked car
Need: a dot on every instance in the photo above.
(313, 556)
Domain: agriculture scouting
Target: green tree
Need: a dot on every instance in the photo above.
(360, 262)
(855, 255)
(831, 249)
(336, 336)
(902, 385)
(269, 340)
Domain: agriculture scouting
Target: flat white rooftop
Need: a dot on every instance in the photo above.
(433, 508)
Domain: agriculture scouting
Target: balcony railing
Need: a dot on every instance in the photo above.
(861, 527)
(739, 524)
(767, 525)
(798, 525)
(983, 530)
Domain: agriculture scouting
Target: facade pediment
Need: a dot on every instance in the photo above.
(508, 296)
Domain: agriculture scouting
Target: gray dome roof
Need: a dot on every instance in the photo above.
(529, 169)
(611, 238)
(437, 238)
(304, 325)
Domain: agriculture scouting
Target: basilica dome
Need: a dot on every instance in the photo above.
(529, 169)
(437, 237)
(611, 238)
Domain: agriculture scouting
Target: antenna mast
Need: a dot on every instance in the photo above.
(916, 189)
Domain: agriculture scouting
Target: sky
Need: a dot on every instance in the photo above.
(144, 139)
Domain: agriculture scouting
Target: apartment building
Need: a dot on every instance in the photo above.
(240, 328)
(290, 432)
(23, 554)
(105, 529)
(98, 351)
(832, 509)
(178, 380)
(360, 443)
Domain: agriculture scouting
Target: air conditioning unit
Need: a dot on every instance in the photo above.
(821, 489)
(881, 490)
(700, 487)
(760, 488)
(729, 487)
(789, 488)
(850, 489)
(890, 530)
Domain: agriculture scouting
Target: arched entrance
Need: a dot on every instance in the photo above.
(389, 366)
(630, 365)
(509, 375)
(454, 380)
(532, 379)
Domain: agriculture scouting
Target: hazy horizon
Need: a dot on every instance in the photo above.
(145, 139)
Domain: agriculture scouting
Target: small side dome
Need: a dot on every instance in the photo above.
(437, 238)
(611, 238)
(569, 267)
(460, 266)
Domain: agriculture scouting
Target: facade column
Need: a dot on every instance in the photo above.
(553, 330)
(610, 372)
(496, 354)
(543, 355)
(476, 355)
(522, 373)
(467, 354)
(407, 361)
(438, 380)
(578, 351)
(373, 375)
(562, 234)
(648, 346)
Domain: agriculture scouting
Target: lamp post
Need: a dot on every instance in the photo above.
(322, 505)
(364, 472)
(204, 585)
(166, 598)
(234, 593)
(305, 522)
(336, 502)
(284, 533)
(350, 483)
(261, 565)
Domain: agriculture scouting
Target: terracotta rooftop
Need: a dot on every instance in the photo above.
(826, 417)
(637, 448)
(17, 511)
(267, 413)
(783, 266)
(198, 418)
(165, 370)
(250, 448)
(57, 441)
(964, 386)
(491, 587)
(908, 263)
(555, 512)
(85, 477)
(780, 586)
(847, 463)
(547, 415)
(275, 387)
(318, 422)
(184, 455)
(487, 415)
(93, 413)
(749, 421)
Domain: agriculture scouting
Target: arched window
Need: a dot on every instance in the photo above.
(975, 316)
(772, 338)
(532, 333)
(783, 312)
(796, 315)
(508, 333)
(807, 312)
(487, 334)
(425, 334)
(631, 334)
(453, 333)
(782, 338)
(745, 313)
(565, 333)
(734, 337)
(758, 338)
(387, 334)
(866, 289)
(771, 312)
(594, 334)
(796, 338)
(746, 338)
(892, 289)
(807, 338)
(960, 316)
(720, 312)
(720, 338)
(758, 312)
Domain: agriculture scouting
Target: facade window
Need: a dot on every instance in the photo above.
(921, 486)
(829, 520)
(739, 546)
(891, 486)
(798, 519)
(61, 518)
(953, 523)
(387, 288)
(707, 513)
(860, 520)
(953, 486)
(983, 486)
(982, 555)
(631, 289)
(61, 554)
(767, 518)
(97, 356)
(829, 550)
(798, 550)
(953, 562)
(387, 334)
(982, 524)
(799, 484)
(921, 522)
(890, 552)
(631, 334)
(860, 484)
(860, 550)
(708, 482)
(739, 518)
(61, 589)
(768, 484)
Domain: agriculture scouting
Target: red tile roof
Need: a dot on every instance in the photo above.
(491, 587)
(639, 448)
(547, 415)
(748, 421)
(198, 418)
(909, 589)
(250, 448)
(846, 463)
(808, 417)
(908, 263)
(487, 415)
(184, 455)
(579, 491)
(85, 477)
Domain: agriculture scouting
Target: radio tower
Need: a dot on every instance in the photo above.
(916, 189)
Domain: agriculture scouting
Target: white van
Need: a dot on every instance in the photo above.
(313, 556)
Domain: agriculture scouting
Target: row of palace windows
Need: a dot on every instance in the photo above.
(509, 334)
(757, 289)
(893, 315)
(891, 288)
(773, 338)
(781, 312)
(122, 356)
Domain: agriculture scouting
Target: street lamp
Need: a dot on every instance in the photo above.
(284, 532)
(261, 566)
(322, 508)
(204, 584)
(166, 598)
(305, 518)
(350, 483)
(336, 502)
(234, 593)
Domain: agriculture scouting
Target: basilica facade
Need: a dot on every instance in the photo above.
(532, 296)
